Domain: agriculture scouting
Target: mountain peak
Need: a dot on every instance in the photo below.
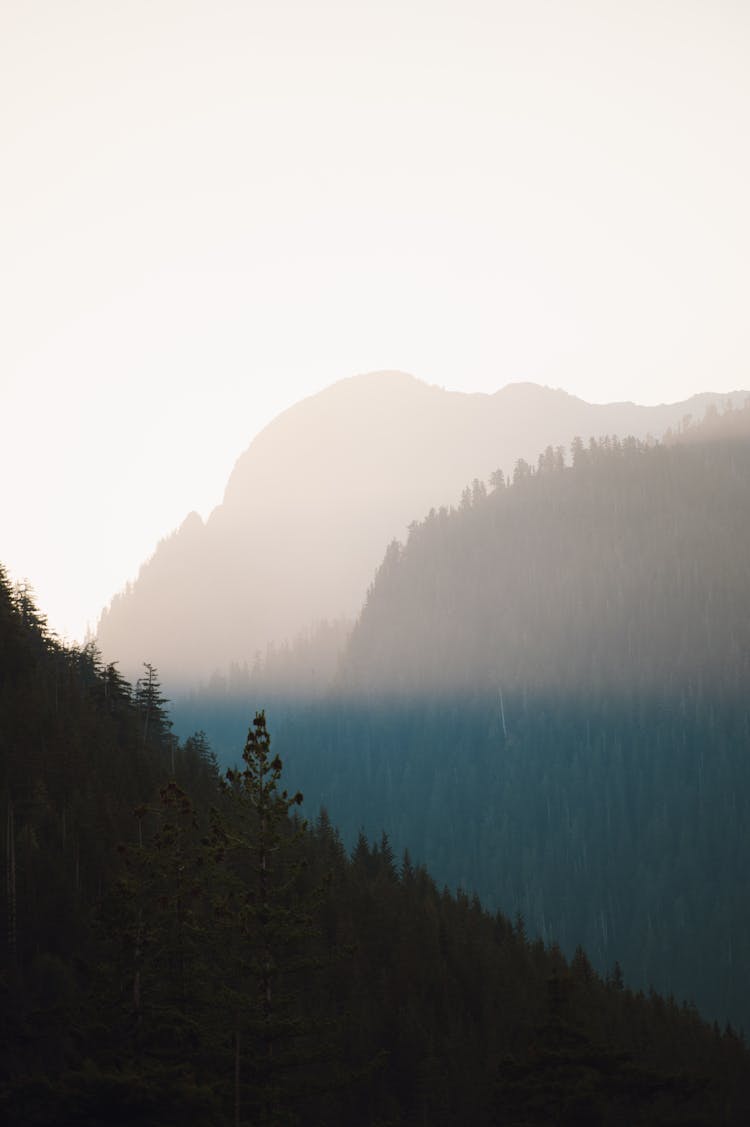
(311, 504)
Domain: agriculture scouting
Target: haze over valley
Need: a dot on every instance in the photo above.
(374, 563)
(541, 700)
(531, 674)
(312, 504)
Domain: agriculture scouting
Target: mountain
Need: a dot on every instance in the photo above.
(625, 573)
(154, 969)
(545, 696)
(314, 500)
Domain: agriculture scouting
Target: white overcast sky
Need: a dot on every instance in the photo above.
(209, 209)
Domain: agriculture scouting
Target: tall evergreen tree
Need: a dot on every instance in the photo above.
(151, 706)
(268, 921)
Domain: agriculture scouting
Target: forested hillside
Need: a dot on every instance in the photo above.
(626, 572)
(545, 697)
(312, 503)
(180, 947)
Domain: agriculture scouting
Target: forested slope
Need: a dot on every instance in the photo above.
(546, 697)
(178, 948)
(625, 572)
(312, 503)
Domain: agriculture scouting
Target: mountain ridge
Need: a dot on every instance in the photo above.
(314, 499)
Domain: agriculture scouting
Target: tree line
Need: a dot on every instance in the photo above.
(545, 699)
(180, 944)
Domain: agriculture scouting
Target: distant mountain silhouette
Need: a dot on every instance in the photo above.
(624, 573)
(312, 503)
(546, 696)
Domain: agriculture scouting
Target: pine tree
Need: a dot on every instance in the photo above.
(268, 919)
(151, 705)
(165, 892)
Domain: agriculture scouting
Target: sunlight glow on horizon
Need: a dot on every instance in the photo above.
(210, 211)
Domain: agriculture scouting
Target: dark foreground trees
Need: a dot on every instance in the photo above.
(265, 921)
(176, 950)
(216, 922)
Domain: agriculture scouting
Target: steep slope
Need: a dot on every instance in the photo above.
(546, 697)
(627, 572)
(135, 938)
(312, 503)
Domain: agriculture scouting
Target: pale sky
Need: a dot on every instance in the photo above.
(209, 209)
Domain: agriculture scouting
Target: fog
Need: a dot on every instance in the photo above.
(312, 505)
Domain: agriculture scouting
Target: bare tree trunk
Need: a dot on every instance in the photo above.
(237, 1070)
(266, 983)
(502, 714)
(137, 970)
(11, 883)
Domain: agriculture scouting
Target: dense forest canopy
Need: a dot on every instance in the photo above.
(178, 945)
(545, 699)
(625, 572)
